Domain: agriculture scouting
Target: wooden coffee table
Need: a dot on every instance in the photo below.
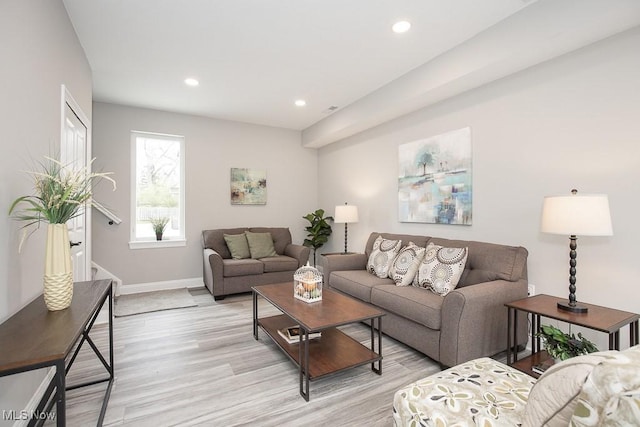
(334, 351)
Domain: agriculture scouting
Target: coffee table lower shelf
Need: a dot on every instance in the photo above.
(333, 352)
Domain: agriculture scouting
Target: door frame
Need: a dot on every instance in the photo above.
(67, 99)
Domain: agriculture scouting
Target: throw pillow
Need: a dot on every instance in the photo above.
(238, 246)
(405, 265)
(260, 245)
(554, 397)
(383, 253)
(441, 268)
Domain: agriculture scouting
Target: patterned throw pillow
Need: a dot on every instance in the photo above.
(405, 265)
(441, 269)
(383, 253)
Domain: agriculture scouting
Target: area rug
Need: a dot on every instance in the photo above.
(127, 305)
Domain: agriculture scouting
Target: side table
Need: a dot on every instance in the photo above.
(35, 338)
(598, 318)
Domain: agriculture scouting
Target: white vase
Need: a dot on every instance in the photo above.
(58, 272)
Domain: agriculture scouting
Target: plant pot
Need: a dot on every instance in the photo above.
(158, 236)
(58, 271)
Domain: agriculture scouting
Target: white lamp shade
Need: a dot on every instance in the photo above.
(346, 214)
(577, 214)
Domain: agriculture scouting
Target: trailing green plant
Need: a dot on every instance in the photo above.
(159, 224)
(562, 346)
(318, 231)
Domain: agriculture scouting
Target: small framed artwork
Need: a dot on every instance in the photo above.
(435, 179)
(248, 186)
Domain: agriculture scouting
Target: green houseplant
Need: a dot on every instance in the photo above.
(562, 346)
(318, 231)
(60, 192)
(159, 224)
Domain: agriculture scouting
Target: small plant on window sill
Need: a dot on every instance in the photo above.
(159, 224)
(562, 346)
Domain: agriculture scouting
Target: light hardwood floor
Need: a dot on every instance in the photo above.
(201, 366)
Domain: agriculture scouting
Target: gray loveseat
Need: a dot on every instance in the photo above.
(224, 275)
(469, 322)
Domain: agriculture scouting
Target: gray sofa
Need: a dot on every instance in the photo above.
(469, 322)
(225, 276)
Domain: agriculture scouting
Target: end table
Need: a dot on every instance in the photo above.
(598, 318)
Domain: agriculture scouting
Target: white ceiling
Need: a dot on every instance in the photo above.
(254, 58)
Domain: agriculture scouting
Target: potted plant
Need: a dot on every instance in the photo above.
(562, 346)
(159, 224)
(60, 193)
(318, 231)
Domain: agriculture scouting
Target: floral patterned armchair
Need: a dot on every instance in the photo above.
(597, 389)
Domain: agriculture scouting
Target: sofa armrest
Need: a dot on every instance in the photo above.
(474, 320)
(299, 252)
(213, 272)
(339, 262)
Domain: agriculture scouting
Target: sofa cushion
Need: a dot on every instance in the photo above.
(489, 261)
(405, 238)
(382, 256)
(241, 267)
(260, 245)
(357, 283)
(238, 246)
(405, 265)
(416, 304)
(441, 269)
(214, 239)
(554, 397)
(279, 263)
(281, 236)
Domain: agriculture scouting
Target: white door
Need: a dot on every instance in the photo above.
(73, 152)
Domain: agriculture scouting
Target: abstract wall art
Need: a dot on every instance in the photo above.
(435, 179)
(248, 186)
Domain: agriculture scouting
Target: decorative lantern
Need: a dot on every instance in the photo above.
(307, 284)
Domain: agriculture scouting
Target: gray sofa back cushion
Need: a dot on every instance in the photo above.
(486, 261)
(214, 239)
(489, 261)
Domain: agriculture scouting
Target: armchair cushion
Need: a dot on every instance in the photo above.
(554, 397)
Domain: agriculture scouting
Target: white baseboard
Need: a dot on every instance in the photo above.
(32, 404)
(195, 282)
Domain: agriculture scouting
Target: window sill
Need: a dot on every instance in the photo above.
(156, 244)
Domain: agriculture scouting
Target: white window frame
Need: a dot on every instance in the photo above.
(150, 243)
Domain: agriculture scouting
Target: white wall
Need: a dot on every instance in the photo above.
(212, 148)
(573, 122)
(40, 52)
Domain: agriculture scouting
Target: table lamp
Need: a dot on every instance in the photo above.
(347, 214)
(573, 215)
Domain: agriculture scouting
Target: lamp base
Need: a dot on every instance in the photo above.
(574, 309)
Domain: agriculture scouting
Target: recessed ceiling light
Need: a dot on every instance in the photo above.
(300, 103)
(191, 81)
(401, 27)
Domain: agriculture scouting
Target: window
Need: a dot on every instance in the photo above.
(157, 163)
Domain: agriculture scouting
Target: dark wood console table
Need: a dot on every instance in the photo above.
(35, 338)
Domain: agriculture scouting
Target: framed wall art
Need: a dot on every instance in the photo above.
(248, 186)
(435, 179)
